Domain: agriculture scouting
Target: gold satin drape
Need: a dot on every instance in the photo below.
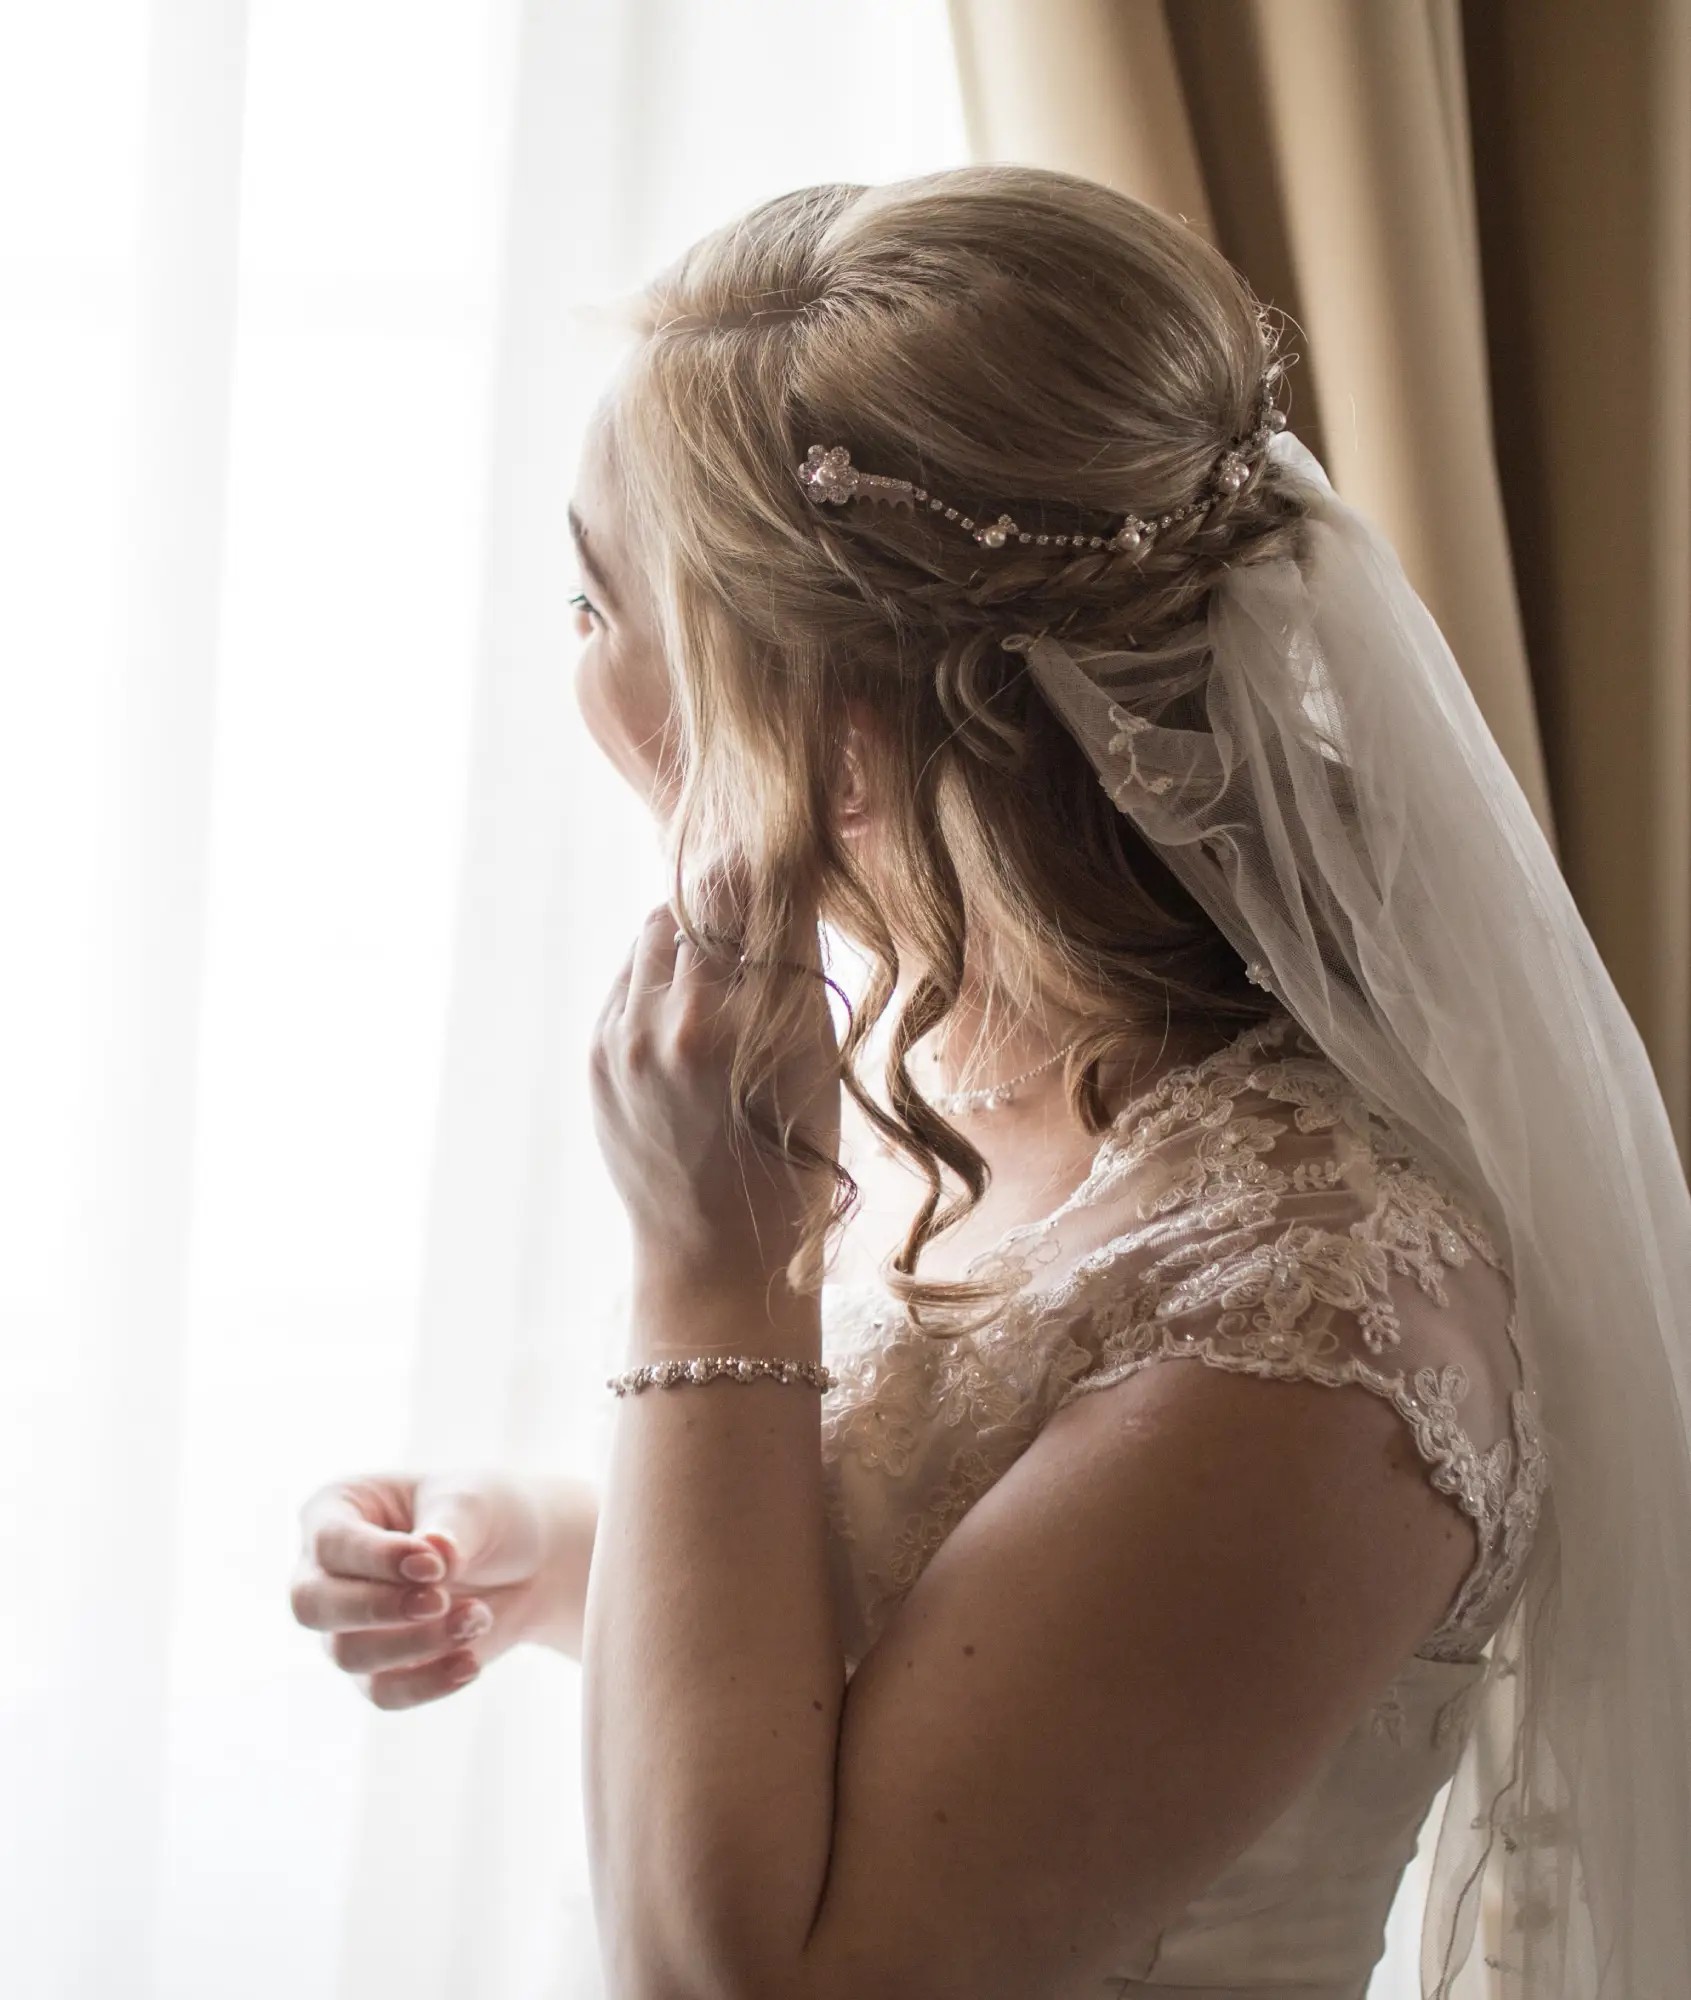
(1479, 214)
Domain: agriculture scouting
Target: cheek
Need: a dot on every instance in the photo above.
(595, 693)
(625, 708)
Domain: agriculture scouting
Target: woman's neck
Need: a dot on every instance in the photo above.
(979, 1045)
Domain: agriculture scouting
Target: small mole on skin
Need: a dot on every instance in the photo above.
(968, 1649)
(816, 1704)
(940, 1815)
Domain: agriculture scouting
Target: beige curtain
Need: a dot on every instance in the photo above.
(1480, 217)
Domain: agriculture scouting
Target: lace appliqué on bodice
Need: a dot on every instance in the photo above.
(1316, 1246)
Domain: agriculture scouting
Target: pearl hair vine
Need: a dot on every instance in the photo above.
(830, 478)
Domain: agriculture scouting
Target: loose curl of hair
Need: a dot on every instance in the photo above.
(1011, 338)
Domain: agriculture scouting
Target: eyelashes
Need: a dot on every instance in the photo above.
(582, 602)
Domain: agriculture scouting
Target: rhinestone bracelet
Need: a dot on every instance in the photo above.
(705, 1367)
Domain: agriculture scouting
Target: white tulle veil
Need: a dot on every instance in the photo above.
(1348, 820)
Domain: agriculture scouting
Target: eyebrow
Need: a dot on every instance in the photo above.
(595, 574)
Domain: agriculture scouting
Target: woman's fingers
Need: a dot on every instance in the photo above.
(407, 1687)
(378, 1648)
(325, 1603)
(341, 1539)
(652, 968)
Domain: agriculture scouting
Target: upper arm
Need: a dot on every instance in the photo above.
(1118, 1668)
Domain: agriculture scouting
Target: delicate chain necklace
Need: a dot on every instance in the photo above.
(995, 1094)
(988, 1099)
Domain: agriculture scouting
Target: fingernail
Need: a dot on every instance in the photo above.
(461, 1670)
(423, 1603)
(423, 1569)
(473, 1620)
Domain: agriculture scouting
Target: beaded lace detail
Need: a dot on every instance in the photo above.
(1314, 1245)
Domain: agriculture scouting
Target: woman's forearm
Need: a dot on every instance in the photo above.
(570, 1506)
(714, 1671)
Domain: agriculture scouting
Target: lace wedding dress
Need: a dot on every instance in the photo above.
(1250, 1212)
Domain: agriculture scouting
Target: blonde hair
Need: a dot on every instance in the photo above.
(1012, 339)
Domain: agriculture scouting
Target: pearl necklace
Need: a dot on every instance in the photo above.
(988, 1099)
(993, 1095)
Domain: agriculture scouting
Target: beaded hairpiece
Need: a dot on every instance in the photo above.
(829, 476)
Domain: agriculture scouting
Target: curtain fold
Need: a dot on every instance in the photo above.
(143, 978)
(1584, 169)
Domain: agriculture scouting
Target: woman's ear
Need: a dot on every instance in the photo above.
(851, 800)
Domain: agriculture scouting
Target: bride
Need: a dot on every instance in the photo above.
(954, 588)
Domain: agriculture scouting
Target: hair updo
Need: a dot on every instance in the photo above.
(1017, 340)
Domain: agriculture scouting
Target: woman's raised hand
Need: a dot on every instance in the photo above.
(417, 1582)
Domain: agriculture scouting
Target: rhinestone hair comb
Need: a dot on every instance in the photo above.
(830, 478)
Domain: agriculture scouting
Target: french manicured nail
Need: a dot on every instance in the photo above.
(423, 1569)
(461, 1670)
(471, 1622)
(423, 1603)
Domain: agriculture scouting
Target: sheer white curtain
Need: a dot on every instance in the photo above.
(312, 885)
